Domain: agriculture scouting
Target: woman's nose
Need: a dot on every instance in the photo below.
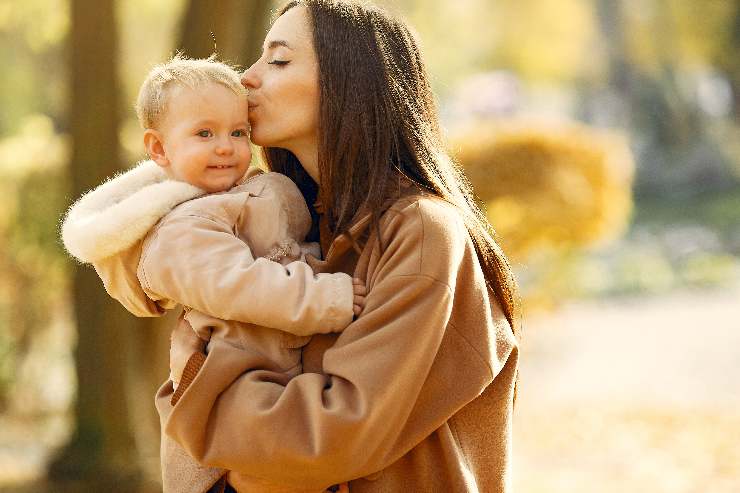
(250, 78)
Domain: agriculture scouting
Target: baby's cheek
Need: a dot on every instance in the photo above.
(247, 153)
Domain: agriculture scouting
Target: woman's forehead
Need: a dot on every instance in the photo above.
(291, 30)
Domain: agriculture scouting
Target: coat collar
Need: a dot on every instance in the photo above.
(363, 220)
(115, 215)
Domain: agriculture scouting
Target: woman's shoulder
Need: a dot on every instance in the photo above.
(427, 215)
(428, 232)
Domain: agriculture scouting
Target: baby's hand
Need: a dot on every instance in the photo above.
(358, 286)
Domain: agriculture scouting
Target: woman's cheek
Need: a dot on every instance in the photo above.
(275, 129)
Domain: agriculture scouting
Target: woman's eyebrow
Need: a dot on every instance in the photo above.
(277, 42)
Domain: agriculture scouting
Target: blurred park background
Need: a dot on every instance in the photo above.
(603, 137)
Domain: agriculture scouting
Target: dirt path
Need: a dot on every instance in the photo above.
(632, 395)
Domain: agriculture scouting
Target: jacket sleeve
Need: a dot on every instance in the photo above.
(198, 261)
(118, 273)
(385, 386)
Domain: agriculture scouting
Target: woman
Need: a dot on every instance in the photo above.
(416, 394)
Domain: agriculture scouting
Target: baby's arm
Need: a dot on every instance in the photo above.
(199, 262)
(105, 227)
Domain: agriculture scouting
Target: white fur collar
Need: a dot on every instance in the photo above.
(120, 212)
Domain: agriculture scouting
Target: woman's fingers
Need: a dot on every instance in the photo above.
(358, 301)
(358, 287)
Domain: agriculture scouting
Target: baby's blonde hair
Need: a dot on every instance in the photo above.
(180, 70)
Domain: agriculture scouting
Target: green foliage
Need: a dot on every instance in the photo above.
(33, 267)
(31, 50)
(544, 40)
(715, 212)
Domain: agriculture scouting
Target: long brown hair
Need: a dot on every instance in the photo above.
(378, 121)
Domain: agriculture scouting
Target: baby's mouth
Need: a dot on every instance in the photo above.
(221, 166)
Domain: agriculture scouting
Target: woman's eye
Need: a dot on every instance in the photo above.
(279, 62)
(204, 133)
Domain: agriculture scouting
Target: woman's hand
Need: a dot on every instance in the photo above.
(183, 343)
(358, 303)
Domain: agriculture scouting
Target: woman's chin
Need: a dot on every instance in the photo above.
(259, 139)
(265, 139)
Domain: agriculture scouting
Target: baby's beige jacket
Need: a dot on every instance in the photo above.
(157, 243)
(416, 395)
(228, 257)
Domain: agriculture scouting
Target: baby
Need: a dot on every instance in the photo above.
(193, 226)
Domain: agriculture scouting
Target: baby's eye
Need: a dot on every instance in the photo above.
(239, 133)
(204, 133)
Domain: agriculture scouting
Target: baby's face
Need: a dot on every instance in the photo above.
(205, 135)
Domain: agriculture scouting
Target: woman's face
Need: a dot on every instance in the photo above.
(283, 86)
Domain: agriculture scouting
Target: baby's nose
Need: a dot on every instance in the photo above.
(224, 147)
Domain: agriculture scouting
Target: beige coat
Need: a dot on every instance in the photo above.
(416, 395)
(156, 243)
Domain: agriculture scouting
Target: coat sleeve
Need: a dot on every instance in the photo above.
(199, 262)
(379, 395)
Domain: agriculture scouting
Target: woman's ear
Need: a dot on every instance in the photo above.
(154, 145)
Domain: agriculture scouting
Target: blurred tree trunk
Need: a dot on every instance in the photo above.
(120, 360)
(102, 450)
(735, 69)
(621, 74)
(239, 27)
(729, 61)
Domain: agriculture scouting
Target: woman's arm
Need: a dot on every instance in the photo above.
(395, 375)
(320, 429)
(196, 260)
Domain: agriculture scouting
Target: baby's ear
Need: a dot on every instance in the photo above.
(154, 145)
